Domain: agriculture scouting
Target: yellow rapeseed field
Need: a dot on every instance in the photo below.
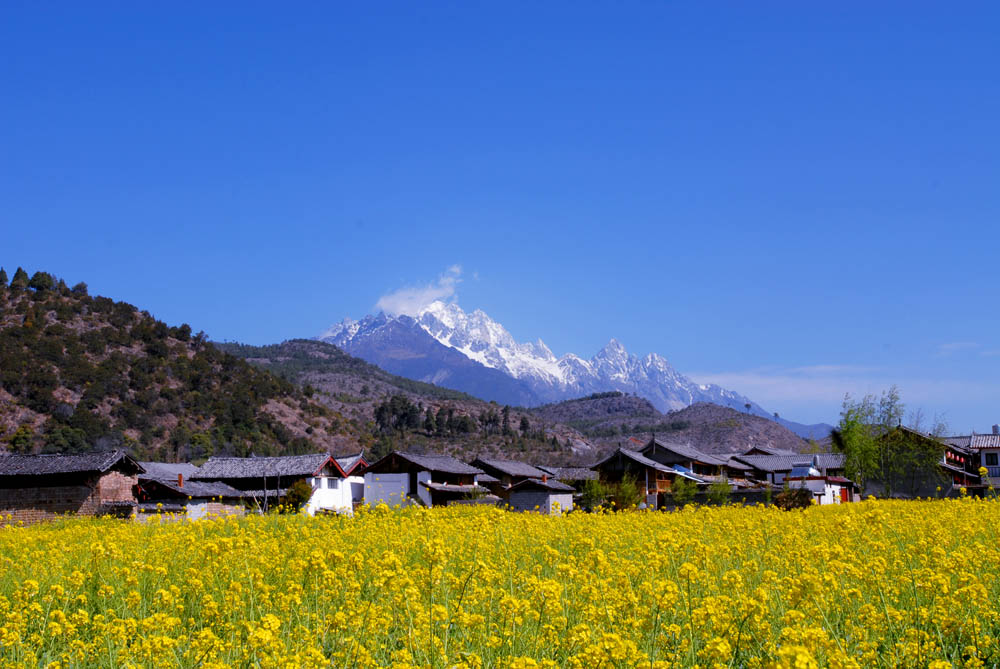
(909, 584)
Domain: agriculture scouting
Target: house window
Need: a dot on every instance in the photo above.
(991, 459)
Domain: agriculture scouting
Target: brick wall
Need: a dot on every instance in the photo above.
(41, 503)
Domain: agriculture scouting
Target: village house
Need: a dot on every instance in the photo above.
(774, 468)
(187, 499)
(824, 489)
(172, 488)
(264, 481)
(707, 467)
(499, 475)
(35, 488)
(544, 495)
(654, 479)
(431, 480)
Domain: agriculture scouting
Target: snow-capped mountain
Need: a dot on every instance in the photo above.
(425, 347)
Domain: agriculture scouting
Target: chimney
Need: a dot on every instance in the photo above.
(180, 480)
(545, 478)
(996, 429)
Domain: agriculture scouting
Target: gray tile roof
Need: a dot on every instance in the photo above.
(569, 473)
(688, 452)
(537, 484)
(638, 458)
(453, 487)
(197, 489)
(41, 465)
(434, 463)
(984, 441)
(240, 468)
(785, 463)
(168, 470)
(349, 462)
(508, 467)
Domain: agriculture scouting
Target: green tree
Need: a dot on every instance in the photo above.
(525, 426)
(627, 493)
(79, 289)
(20, 441)
(3, 278)
(505, 427)
(594, 494)
(683, 490)
(20, 280)
(879, 450)
(42, 282)
(718, 492)
(429, 421)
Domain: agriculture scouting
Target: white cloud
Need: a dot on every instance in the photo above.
(944, 350)
(411, 300)
(816, 392)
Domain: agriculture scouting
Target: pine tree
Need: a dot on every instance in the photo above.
(20, 280)
(525, 426)
(3, 278)
(442, 422)
(505, 428)
(429, 422)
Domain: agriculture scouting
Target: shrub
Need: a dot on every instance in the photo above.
(683, 490)
(793, 498)
(298, 495)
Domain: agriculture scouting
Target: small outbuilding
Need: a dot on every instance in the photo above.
(543, 495)
(431, 480)
(188, 499)
(35, 488)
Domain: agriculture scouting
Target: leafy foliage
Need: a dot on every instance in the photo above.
(879, 451)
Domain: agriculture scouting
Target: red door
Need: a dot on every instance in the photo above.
(843, 496)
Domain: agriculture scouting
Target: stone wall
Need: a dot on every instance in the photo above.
(83, 497)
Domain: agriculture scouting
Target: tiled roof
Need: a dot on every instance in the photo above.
(453, 487)
(40, 465)
(168, 470)
(534, 484)
(349, 462)
(199, 489)
(962, 441)
(569, 473)
(985, 441)
(635, 457)
(486, 478)
(508, 467)
(240, 468)
(688, 452)
(785, 463)
(433, 463)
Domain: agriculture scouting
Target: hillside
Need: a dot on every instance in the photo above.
(610, 418)
(80, 372)
(384, 407)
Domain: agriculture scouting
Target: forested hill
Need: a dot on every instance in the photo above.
(80, 372)
(612, 417)
(393, 412)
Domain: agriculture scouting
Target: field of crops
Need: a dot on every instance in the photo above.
(913, 584)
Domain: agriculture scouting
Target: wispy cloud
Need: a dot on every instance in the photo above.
(816, 392)
(411, 300)
(951, 348)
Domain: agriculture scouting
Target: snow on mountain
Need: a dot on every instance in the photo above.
(542, 376)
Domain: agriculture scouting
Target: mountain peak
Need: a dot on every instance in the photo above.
(482, 340)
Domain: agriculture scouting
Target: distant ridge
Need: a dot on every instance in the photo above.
(471, 352)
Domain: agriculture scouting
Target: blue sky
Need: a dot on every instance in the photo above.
(794, 200)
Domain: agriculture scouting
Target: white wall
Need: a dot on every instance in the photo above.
(330, 493)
